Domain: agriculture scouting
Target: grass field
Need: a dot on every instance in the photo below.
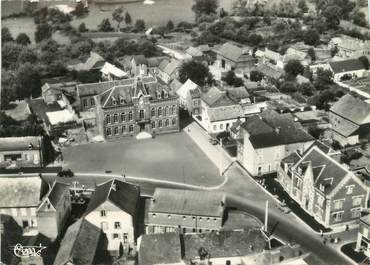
(172, 157)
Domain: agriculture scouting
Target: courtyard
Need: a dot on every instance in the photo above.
(172, 157)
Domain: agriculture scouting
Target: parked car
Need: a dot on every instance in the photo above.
(65, 173)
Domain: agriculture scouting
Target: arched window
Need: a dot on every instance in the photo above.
(160, 111)
(107, 119)
(109, 131)
(173, 121)
(131, 128)
(116, 132)
(166, 111)
(115, 117)
(130, 116)
(123, 117)
(153, 112)
(141, 114)
(173, 110)
(167, 123)
(123, 129)
(160, 124)
(153, 124)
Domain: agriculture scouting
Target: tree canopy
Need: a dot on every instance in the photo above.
(195, 71)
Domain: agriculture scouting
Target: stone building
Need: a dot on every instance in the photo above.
(136, 105)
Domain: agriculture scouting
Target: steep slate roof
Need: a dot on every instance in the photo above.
(272, 129)
(21, 192)
(122, 194)
(326, 171)
(225, 244)
(346, 65)
(123, 94)
(237, 93)
(216, 98)
(233, 53)
(97, 88)
(56, 192)
(79, 244)
(187, 202)
(353, 109)
(20, 143)
(160, 249)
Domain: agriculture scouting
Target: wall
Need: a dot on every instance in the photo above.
(29, 158)
(21, 214)
(114, 214)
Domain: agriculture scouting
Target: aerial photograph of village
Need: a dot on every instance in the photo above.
(185, 132)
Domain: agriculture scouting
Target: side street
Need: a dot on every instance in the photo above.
(185, 132)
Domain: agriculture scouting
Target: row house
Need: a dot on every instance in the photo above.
(350, 120)
(264, 140)
(323, 187)
(349, 47)
(25, 151)
(138, 105)
(113, 208)
(173, 210)
(34, 205)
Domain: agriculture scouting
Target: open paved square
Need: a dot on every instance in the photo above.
(173, 157)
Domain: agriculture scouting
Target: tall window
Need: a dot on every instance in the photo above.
(84, 102)
(109, 131)
(92, 102)
(116, 131)
(115, 118)
(117, 225)
(160, 111)
(337, 216)
(130, 116)
(167, 122)
(125, 237)
(173, 110)
(160, 124)
(153, 124)
(153, 112)
(103, 213)
(141, 114)
(107, 119)
(123, 129)
(173, 121)
(166, 111)
(131, 128)
(123, 117)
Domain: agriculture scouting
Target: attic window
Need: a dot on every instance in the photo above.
(122, 100)
(159, 95)
(169, 216)
(114, 102)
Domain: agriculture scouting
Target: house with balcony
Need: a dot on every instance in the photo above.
(171, 210)
(113, 209)
(350, 120)
(136, 105)
(324, 188)
(18, 152)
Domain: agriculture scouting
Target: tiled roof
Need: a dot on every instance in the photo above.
(194, 52)
(225, 244)
(185, 88)
(353, 109)
(20, 143)
(225, 113)
(237, 93)
(160, 249)
(272, 129)
(21, 192)
(346, 65)
(233, 53)
(269, 71)
(122, 194)
(79, 244)
(171, 67)
(97, 88)
(187, 202)
(216, 98)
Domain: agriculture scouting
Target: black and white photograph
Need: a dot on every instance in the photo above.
(185, 132)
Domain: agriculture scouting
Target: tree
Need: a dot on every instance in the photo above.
(140, 25)
(255, 39)
(105, 26)
(7, 88)
(9, 53)
(28, 81)
(311, 37)
(82, 28)
(170, 26)
(365, 61)
(43, 31)
(311, 52)
(80, 9)
(6, 36)
(204, 7)
(128, 19)
(360, 19)
(117, 16)
(303, 6)
(255, 76)
(27, 55)
(232, 80)
(195, 71)
(87, 76)
(294, 68)
(288, 87)
(23, 39)
(307, 89)
(332, 16)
